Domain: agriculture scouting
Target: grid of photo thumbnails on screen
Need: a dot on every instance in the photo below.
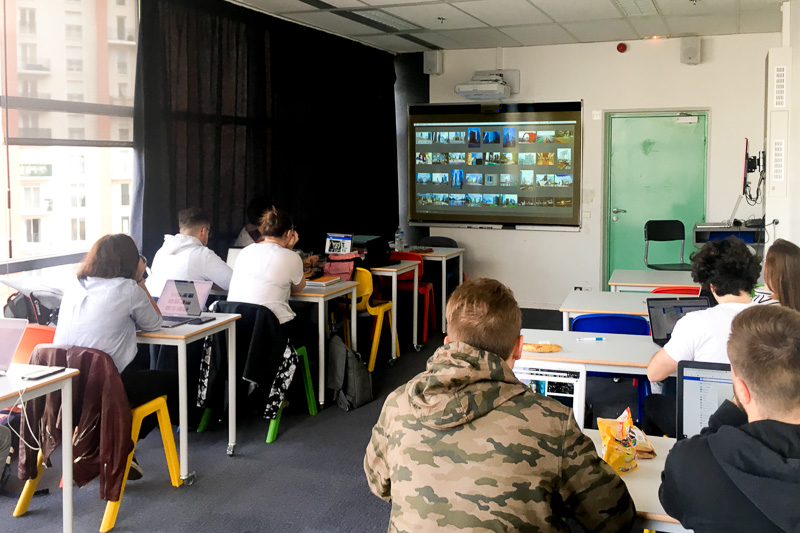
(522, 168)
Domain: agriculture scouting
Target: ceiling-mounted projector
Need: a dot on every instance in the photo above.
(490, 85)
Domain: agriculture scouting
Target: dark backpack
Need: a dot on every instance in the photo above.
(31, 307)
(347, 375)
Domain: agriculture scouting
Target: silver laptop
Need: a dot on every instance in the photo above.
(664, 313)
(702, 388)
(11, 331)
(338, 243)
(182, 302)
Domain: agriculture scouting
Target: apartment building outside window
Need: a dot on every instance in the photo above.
(78, 229)
(125, 194)
(122, 62)
(31, 198)
(29, 88)
(27, 55)
(73, 27)
(120, 2)
(78, 194)
(32, 229)
(125, 224)
(27, 20)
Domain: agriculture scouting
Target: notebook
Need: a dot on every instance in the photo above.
(565, 382)
(702, 388)
(665, 312)
(182, 302)
(338, 243)
(11, 331)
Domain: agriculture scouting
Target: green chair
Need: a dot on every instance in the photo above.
(272, 432)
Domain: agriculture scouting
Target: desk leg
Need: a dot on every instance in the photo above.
(394, 315)
(444, 297)
(232, 388)
(321, 347)
(565, 319)
(417, 346)
(613, 288)
(66, 454)
(183, 417)
(353, 335)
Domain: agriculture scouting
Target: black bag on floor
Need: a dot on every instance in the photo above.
(347, 375)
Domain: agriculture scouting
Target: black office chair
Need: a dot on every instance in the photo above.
(661, 231)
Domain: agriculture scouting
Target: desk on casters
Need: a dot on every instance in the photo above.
(393, 271)
(442, 255)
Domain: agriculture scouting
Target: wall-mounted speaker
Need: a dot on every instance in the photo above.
(433, 62)
(690, 50)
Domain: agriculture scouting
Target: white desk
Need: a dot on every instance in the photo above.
(618, 354)
(393, 271)
(181, 336)
(442, 254)
(321, 296)
(579, 303)
(643, 484)
(11, 386)
(647, 280)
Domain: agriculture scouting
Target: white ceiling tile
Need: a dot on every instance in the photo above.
(702, 7)
(393, 43)
(538, 35)
(649, 26)
(332, 22)
(438, 39)
(275, 6)
(603, 30)
(504, 12)
(398, 2)
(481, 38)
(428, 16)
(345, 3)
(682, 25)
(571, 10)
(763, 21)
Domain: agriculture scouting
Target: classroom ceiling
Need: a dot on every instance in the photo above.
(419, 25)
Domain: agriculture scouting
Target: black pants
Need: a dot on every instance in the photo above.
(141, 386)
(660, 412)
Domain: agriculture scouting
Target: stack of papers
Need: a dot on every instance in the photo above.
(323, 281)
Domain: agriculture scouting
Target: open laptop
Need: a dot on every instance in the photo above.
(182, 302)
(665, 312)
(565, 382)
(11, 331)
(338, 243)
(702, 388)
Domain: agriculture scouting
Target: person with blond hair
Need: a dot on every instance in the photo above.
(466, 446)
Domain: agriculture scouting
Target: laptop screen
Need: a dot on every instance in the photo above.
(564, 382)
(665, 312)
(184, 298)
(338, 243)
(11, 331)
(702, 388)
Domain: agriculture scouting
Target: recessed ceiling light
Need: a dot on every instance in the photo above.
(386, 19)
(632, 8)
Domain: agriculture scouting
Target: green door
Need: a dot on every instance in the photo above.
(656, 171)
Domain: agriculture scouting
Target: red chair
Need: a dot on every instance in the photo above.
(405, 282)
(690, 290)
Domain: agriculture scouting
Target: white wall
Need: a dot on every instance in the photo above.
(542, 266)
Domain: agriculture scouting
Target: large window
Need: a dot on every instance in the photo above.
(66, 106)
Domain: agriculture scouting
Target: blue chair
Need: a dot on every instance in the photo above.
(625, 324)
(606, 323)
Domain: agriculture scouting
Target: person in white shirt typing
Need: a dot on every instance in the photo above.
(730, 270)
(186, 255)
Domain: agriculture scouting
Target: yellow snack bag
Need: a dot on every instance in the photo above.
(619, 443)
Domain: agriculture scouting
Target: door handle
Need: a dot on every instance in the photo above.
(615, 211)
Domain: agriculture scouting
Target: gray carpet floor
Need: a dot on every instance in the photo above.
(310, 479)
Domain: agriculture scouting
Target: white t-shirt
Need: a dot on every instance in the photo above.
(703, 335)
(264, 274)
(184, 257)
(104, 314)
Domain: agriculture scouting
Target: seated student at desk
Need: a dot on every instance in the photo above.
(187, 256)
(782, 276)
(730, 270)
(250, 232)
(742, 473)
(103, 308)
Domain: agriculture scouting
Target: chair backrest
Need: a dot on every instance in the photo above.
(608, 323)
(408, 256)
(685, 289)
(434, 240)
(233, 254)
(34, 335)
(364, 290)
(664, 230)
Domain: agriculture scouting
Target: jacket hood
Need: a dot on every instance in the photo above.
(174, 244)
(461, 383)
(763, 460)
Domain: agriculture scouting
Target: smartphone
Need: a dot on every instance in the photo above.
(43, 373)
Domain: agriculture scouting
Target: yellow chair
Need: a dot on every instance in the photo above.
(158, 406)
(363, 294)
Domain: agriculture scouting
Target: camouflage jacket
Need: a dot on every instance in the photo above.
(466, 446)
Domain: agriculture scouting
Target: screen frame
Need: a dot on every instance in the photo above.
(476, 113)
(680, 392)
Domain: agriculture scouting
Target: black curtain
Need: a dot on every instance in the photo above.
(231, 103)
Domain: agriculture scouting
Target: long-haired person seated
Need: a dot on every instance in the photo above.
(782, 275)
(102, 309)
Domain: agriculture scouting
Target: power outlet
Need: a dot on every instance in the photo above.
(577, 288)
